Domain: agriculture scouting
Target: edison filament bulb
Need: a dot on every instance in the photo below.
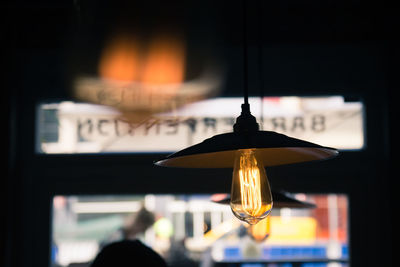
(251, 197)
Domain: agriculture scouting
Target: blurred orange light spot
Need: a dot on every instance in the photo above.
(141, 76)
(119, 60)
(165, 62)
(261, 231)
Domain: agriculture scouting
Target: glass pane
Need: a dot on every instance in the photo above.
(69, 127)
(193, 230)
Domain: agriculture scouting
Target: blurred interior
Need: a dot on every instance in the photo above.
(192, 230)
(96, 91)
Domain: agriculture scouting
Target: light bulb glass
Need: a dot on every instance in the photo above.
(251, 197)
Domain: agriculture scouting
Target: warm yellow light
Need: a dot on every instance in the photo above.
(260, 231)
(251, 197)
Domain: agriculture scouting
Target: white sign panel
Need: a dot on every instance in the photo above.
(86, 128)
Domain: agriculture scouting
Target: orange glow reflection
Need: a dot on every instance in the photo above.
(260, 231)
(141, 77)
(120, 60)
(165, 62)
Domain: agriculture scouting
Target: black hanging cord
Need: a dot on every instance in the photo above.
(246, 105)
(260, 61)
(246, 122)
(245, 57)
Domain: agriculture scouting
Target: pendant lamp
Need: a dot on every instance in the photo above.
(248, 151)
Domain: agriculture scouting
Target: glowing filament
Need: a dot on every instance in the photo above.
(250, 190)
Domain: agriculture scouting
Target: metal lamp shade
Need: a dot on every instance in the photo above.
(281, 200)
(272, 148)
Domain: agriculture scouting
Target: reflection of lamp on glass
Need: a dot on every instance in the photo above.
(141, 78)
(261, 230)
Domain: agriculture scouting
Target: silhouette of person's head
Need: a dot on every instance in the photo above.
(127, 253)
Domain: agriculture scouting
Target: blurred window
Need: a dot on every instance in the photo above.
(188, 230)
(69, 127)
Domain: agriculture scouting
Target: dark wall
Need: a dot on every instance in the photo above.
(307, 48)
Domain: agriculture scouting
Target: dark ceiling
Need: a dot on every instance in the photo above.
(282, 36)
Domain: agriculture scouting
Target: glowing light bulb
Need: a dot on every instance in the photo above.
(251, 197)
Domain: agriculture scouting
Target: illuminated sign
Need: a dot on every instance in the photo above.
(328, 121)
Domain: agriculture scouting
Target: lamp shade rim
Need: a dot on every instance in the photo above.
(281, 199)
(272, 148)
